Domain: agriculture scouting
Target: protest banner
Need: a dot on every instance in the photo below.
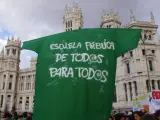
(141, 102)
(154, 100)
(75, 72)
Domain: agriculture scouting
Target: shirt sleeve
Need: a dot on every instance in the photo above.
(126, 40)
(33, 45)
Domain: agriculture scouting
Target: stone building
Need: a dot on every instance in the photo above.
(17, 85)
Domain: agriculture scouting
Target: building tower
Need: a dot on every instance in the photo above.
(110, 20)
(10, 58)
(73, 18)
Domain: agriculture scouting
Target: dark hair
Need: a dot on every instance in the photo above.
(20, 116)
(25, 114)
(129, 117)
(111, 117)
(139, 113)
(7, 114)
(148, 117)
(157, 113)
(119, 116)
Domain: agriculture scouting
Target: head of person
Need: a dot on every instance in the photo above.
(128, 117)
(157, 114)
(120, 116)
(7, 116)
(111, 118)
(137, 115)
(20, 117)
(148, 117)
(143, 111)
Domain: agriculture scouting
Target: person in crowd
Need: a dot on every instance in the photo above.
(143, 111)
(120, 116)
(148, 117)
(20, 117)
(157, 115)
(126, 112)
(128, 117)
(7, 116)
(29, 116)
(14, 116)
(111, 117)
(137, 115)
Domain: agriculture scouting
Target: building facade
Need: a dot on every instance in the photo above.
(17, 85)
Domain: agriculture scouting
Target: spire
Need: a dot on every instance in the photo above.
(75, 5)
(111, 12)
(132, 17)
(152, 18)
(103, 13)
(8, 38)
(2, 52)
(12, 38)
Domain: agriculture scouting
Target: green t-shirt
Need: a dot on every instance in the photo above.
(75, 72)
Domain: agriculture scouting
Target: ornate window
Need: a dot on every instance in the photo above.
(9, 98)
(135, 85)
(147, 85)
(1, 101)
(125, 90)
(7, 51)
(3, 85)
(150, 65)
(10, 86)
(130, 88)
(153, 84)
(131, 53)
(14, 51)
(128, 68)
(143, 52)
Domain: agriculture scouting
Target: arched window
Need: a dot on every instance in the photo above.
(22, 86)
(3, 85)
(147, 85)
(150, 65)
(10, 86)
(128, 68)
(135, 85)
(7, 51)
(9, 98)
(33, 85)
(153, 85)
(1, 101)
(145, 36)
(149, 37)
(19, 86)
(125, 90)
(130, 88)
(14, 51)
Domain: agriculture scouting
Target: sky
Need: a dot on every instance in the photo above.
(30, 19)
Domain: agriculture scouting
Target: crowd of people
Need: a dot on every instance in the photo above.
(15, 116)
(137, 115)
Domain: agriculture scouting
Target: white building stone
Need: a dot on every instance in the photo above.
(17, 85)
